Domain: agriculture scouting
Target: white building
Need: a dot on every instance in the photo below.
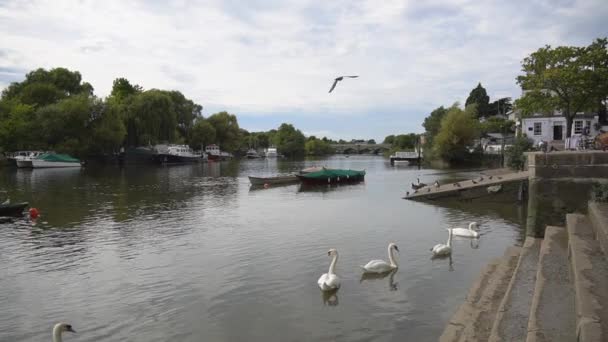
(553, 127)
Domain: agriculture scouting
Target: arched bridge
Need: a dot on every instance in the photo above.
(361, 148)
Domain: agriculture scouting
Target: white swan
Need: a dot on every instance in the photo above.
(441, 249)
(381, 266)
(464, 232)
(330, 281)
(59, 328)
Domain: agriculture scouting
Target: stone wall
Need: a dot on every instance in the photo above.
(568, 164)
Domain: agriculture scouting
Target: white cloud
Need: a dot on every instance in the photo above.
(269, 57)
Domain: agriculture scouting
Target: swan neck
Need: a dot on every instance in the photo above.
(332, 265)
(57, 334)
(449, 243)
(391, 257)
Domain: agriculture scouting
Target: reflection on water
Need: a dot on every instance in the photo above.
(330, 298)
(191, 253)
(392, 285)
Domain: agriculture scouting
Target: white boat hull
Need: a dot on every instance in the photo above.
(24, 163)
(38, 164)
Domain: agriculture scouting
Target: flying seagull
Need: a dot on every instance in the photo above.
(338, 79)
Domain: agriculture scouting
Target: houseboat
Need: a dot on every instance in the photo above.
(177, 154)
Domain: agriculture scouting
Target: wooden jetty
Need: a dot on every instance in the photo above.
(474, 188)
(411, 157)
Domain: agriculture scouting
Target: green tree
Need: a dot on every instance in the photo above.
(203, 134)
(371, 141)
(389, 139)
(516, 159)
(151, 118)
(565, 78)
(432, 123)
(480, 97)
(227, 130)
(500, 107)
(457, 133)
(122, 89)
(496, 125)
(290, 141)
(316, 147)
(108, 130)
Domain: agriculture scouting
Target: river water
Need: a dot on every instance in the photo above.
(191, 253)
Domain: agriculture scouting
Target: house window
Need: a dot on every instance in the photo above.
(578, 127)
(588, 123)
(538, 130)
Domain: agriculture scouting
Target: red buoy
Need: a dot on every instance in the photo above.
(34, 213)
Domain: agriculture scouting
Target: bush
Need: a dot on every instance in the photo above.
(515, 154)
(599, 193)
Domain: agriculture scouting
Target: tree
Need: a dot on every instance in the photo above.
(389, 139)
(480, 97)
(565, 78)
(371, 141)
(405, 141)
(500, 107)
(496, 125)
(122, 88)
(227, 131)
(290, 141)
(457, 132)
(596, 57)
(203, 134)
(432, 123)
(151, 118)
(108, 130)
(316, 147)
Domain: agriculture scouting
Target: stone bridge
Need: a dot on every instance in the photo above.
(361, 148)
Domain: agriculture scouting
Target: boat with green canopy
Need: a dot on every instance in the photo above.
(332, 176)
(55, 160)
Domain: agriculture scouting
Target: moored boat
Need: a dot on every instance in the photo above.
(330, 176)
(271, 152)
(55, 160)
(252, 154)
(26, 162)
(12, 209)
(274, 180)
(176, 154)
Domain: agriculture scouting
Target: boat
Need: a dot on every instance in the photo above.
(271, 152)
(256, 181)
(252, 154)
(26, 162)
(176, 154)
(331, 176)
(214, 153)
(12, 209)
(14, 157)
(311, 169)
(55, 160)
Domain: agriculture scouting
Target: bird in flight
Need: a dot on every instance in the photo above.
(338, 79)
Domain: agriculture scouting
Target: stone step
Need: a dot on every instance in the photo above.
(552, 315)
(590, 278)
(598, 214)
(511, 322)
(473, 319)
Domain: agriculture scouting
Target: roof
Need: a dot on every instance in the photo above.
(499, 135)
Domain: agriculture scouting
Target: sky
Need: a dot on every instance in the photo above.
(271, 61)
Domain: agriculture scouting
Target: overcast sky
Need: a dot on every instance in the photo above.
(270, 61)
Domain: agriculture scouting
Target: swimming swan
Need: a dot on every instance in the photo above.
(441, 249)
(381, 266)
(330, 281)
(464, 232)
(58, 329)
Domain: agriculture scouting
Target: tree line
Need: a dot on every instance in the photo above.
(55, 110)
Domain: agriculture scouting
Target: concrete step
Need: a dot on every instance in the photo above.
(598, 214)
(511, 322)
(552, 315)
(590, 275)
(473, 319)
